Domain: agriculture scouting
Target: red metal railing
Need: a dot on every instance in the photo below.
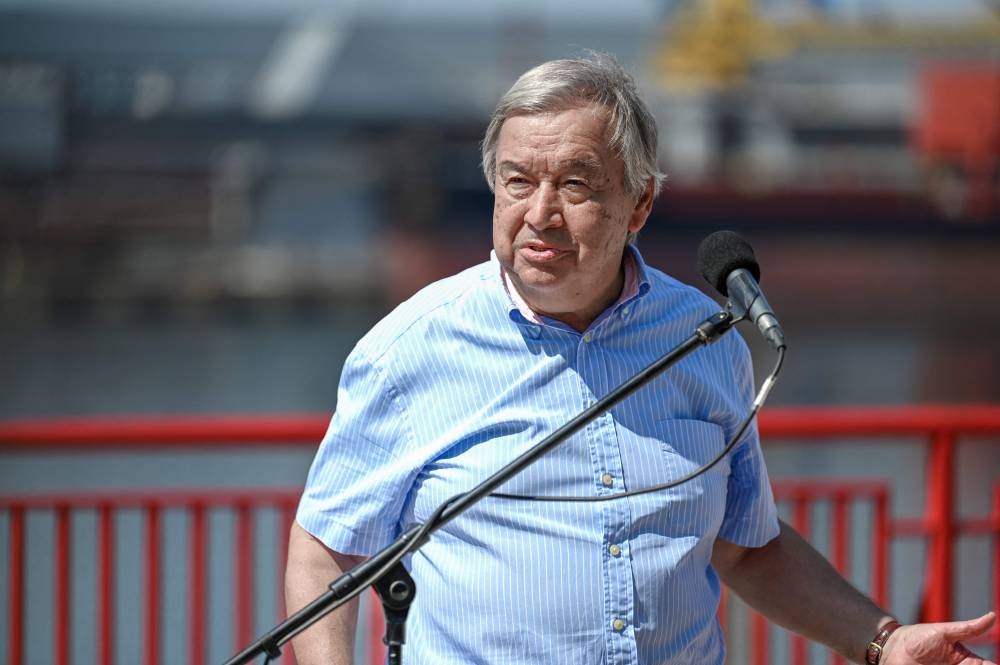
(937, 428)
(152, 505)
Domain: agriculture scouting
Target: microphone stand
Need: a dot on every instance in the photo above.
(384, 570)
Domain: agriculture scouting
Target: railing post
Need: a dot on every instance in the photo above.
(152, 584)
(243, 582)
(197, 598)
(60, 627)
(15, 610)
(941, 519)
(881, 535)
(105, 584)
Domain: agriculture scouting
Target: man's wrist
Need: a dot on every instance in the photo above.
(873, 654)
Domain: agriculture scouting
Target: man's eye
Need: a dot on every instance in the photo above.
(576, 189)
(517, 184)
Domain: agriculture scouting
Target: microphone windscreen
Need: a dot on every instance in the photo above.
(720, 254)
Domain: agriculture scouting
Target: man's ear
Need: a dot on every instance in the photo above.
(643, 206)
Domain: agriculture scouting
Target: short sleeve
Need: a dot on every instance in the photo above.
(751, 518)
(358, 481)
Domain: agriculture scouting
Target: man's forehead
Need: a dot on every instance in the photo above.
(589, 163)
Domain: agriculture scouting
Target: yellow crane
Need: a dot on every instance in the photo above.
(714, 43)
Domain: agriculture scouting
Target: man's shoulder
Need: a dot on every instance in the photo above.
(445, 302)
(675, 302)
(676, 296)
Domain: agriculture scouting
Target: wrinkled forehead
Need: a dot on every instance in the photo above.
(582, 164)
(574, 139)
(558, 129)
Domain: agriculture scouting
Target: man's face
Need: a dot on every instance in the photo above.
(561, 214)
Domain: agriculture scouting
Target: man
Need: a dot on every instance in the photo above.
(476, 368)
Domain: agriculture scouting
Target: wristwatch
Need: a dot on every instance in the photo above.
(874, 653)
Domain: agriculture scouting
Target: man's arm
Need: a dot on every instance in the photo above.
(790, 583)
(310, 569)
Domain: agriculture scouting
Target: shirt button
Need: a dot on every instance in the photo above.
(618, 625)
(588, 337)
(615, 550)
(607, 480)
(626, 309)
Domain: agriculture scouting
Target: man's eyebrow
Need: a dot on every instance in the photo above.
(508, 165)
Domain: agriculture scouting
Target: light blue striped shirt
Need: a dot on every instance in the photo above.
(455, 383)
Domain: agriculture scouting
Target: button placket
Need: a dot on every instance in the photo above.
(591, 355)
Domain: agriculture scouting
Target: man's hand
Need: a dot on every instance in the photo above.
(936, 643)
(789, 582)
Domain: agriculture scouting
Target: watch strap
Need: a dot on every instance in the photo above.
(874, 653)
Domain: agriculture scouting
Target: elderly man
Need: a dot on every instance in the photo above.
(474, 369)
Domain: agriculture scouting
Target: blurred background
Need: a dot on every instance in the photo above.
(223, 196)
(204, 204)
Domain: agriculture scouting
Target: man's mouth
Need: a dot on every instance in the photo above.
(538, 251)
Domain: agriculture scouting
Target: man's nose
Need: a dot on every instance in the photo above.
(545, 207)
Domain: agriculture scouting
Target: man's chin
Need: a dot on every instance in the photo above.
(532, 282)
(536, 279)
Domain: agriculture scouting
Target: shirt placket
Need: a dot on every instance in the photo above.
(615, 515)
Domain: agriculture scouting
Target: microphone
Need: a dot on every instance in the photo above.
(727, 262)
